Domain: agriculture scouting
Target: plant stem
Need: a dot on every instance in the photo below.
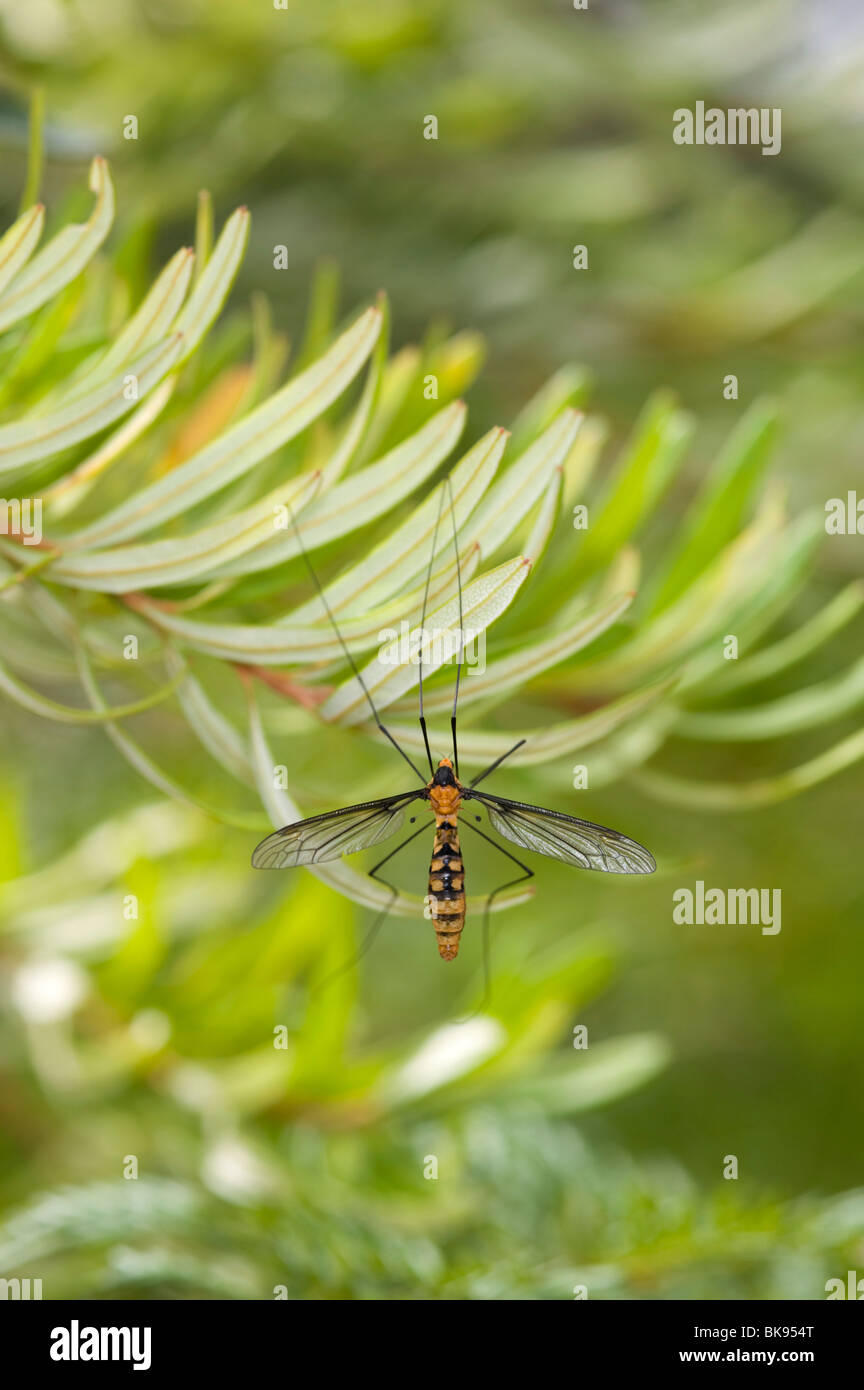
(35, 149)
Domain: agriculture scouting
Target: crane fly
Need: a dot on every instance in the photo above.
(554, 834)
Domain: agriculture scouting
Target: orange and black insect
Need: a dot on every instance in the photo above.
(551, 833)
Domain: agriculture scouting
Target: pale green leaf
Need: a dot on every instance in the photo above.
(144, 765)
(400, 374)
(365, 495)
(148, 325)
(358, 426)
(568, 387)
(557, 740)
(697, 615)
(165, 562)
(277, 644)
(596, 1076)
(321, 308)
(213, 730)
(507, 673)
(388, 676)
(757, 606)
(18, 244)
(790, 714)
(239, 448)
(65, 494)
(64, 257)
(719, 511)
(547, 515)
(522, 485)
(406, 551)
(214, 282)
(656, 448)
(583, 458)
(32, 360)
(630, 746)
(770, 661)
(762, 791)
(38, 437)
(35, 703)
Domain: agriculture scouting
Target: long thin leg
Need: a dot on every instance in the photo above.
(512, 883)
(383, 914)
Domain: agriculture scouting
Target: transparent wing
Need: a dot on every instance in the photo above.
(320, 838)
(567, 838)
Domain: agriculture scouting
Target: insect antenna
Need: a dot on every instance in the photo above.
(461, 633)
(497, 762)
(423, 627)
(349, 658)
(446, 490)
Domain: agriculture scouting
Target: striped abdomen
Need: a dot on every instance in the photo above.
(447, 889)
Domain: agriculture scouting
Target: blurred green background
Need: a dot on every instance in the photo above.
(306, 1169)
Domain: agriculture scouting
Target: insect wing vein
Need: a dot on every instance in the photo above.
(333, 834)
(567, 838)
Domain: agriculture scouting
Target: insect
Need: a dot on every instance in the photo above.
(535, 828)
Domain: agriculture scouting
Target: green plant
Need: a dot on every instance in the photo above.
(163, 448)
(168, 472)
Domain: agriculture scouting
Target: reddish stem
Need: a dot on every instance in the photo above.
(310, 697)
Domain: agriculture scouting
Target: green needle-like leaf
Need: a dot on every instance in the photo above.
(18, 244)
(64, 257)
(66, 714)
(368, 494)
(194, 556)
(243, 445)
(720, 511)
(791, 714)
(646, 470)
(541, 745)
(41, 436)
(763, 791)
(390, 675)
